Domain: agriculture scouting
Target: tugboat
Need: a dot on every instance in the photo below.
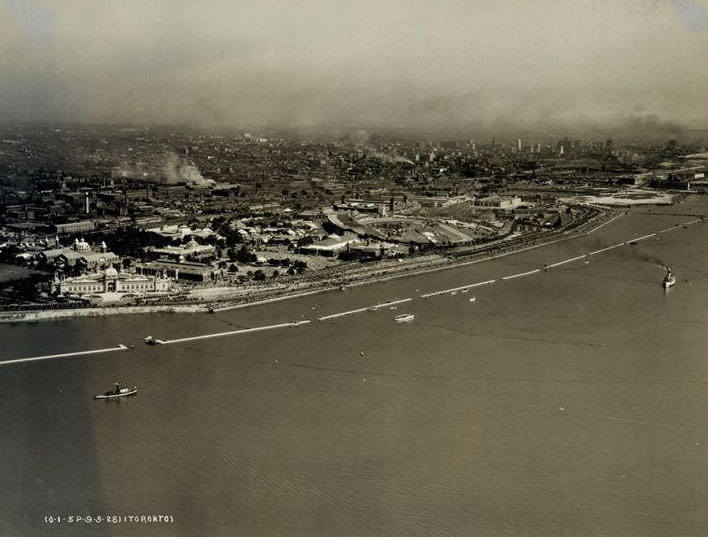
(669, 279)
(117, 392)
(152, 341)
(404, 318)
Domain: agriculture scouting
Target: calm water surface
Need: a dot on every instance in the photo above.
(570, 402)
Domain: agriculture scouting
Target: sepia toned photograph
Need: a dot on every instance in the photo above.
(327, 268)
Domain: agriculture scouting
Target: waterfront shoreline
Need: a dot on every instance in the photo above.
(371, 277)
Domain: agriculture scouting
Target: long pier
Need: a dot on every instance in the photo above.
(392, 303)
(559, 263)
(119, 348)
(607, 249)
(455, 289)
(521, 274)
(643, 237)
(341, 314)
(234, 332)
(360, 310)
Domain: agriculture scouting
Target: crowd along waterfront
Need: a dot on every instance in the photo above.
(475, 418)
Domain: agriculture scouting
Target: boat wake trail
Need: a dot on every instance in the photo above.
(520, 404)
(229, 323)
(516, 338)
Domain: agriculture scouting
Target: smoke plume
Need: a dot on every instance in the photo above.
(392, 159)
(179, 170)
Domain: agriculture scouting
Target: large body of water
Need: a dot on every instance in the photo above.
(572, 402)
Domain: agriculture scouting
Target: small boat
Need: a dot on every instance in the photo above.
(587, 261)
(473, 299)
(117, 392)
(669, 279)
(404, 318)
(152, 341)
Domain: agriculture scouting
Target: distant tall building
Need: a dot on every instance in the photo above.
(562, 150)
(518, 145)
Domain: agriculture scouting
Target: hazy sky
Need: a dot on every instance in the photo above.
(353, 63)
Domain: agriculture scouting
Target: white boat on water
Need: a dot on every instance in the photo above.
(118, 392)
(669, 279)
(473, 299)
(404, 318)
(152, 341)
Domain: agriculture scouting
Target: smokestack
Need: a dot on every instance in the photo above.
(87, 205)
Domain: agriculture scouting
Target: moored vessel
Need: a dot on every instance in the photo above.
(404, 318)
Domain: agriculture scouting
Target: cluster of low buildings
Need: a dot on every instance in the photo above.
(84, 270)
(197, 208)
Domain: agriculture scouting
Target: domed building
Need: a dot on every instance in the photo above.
(80, 257)
(112, 281)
